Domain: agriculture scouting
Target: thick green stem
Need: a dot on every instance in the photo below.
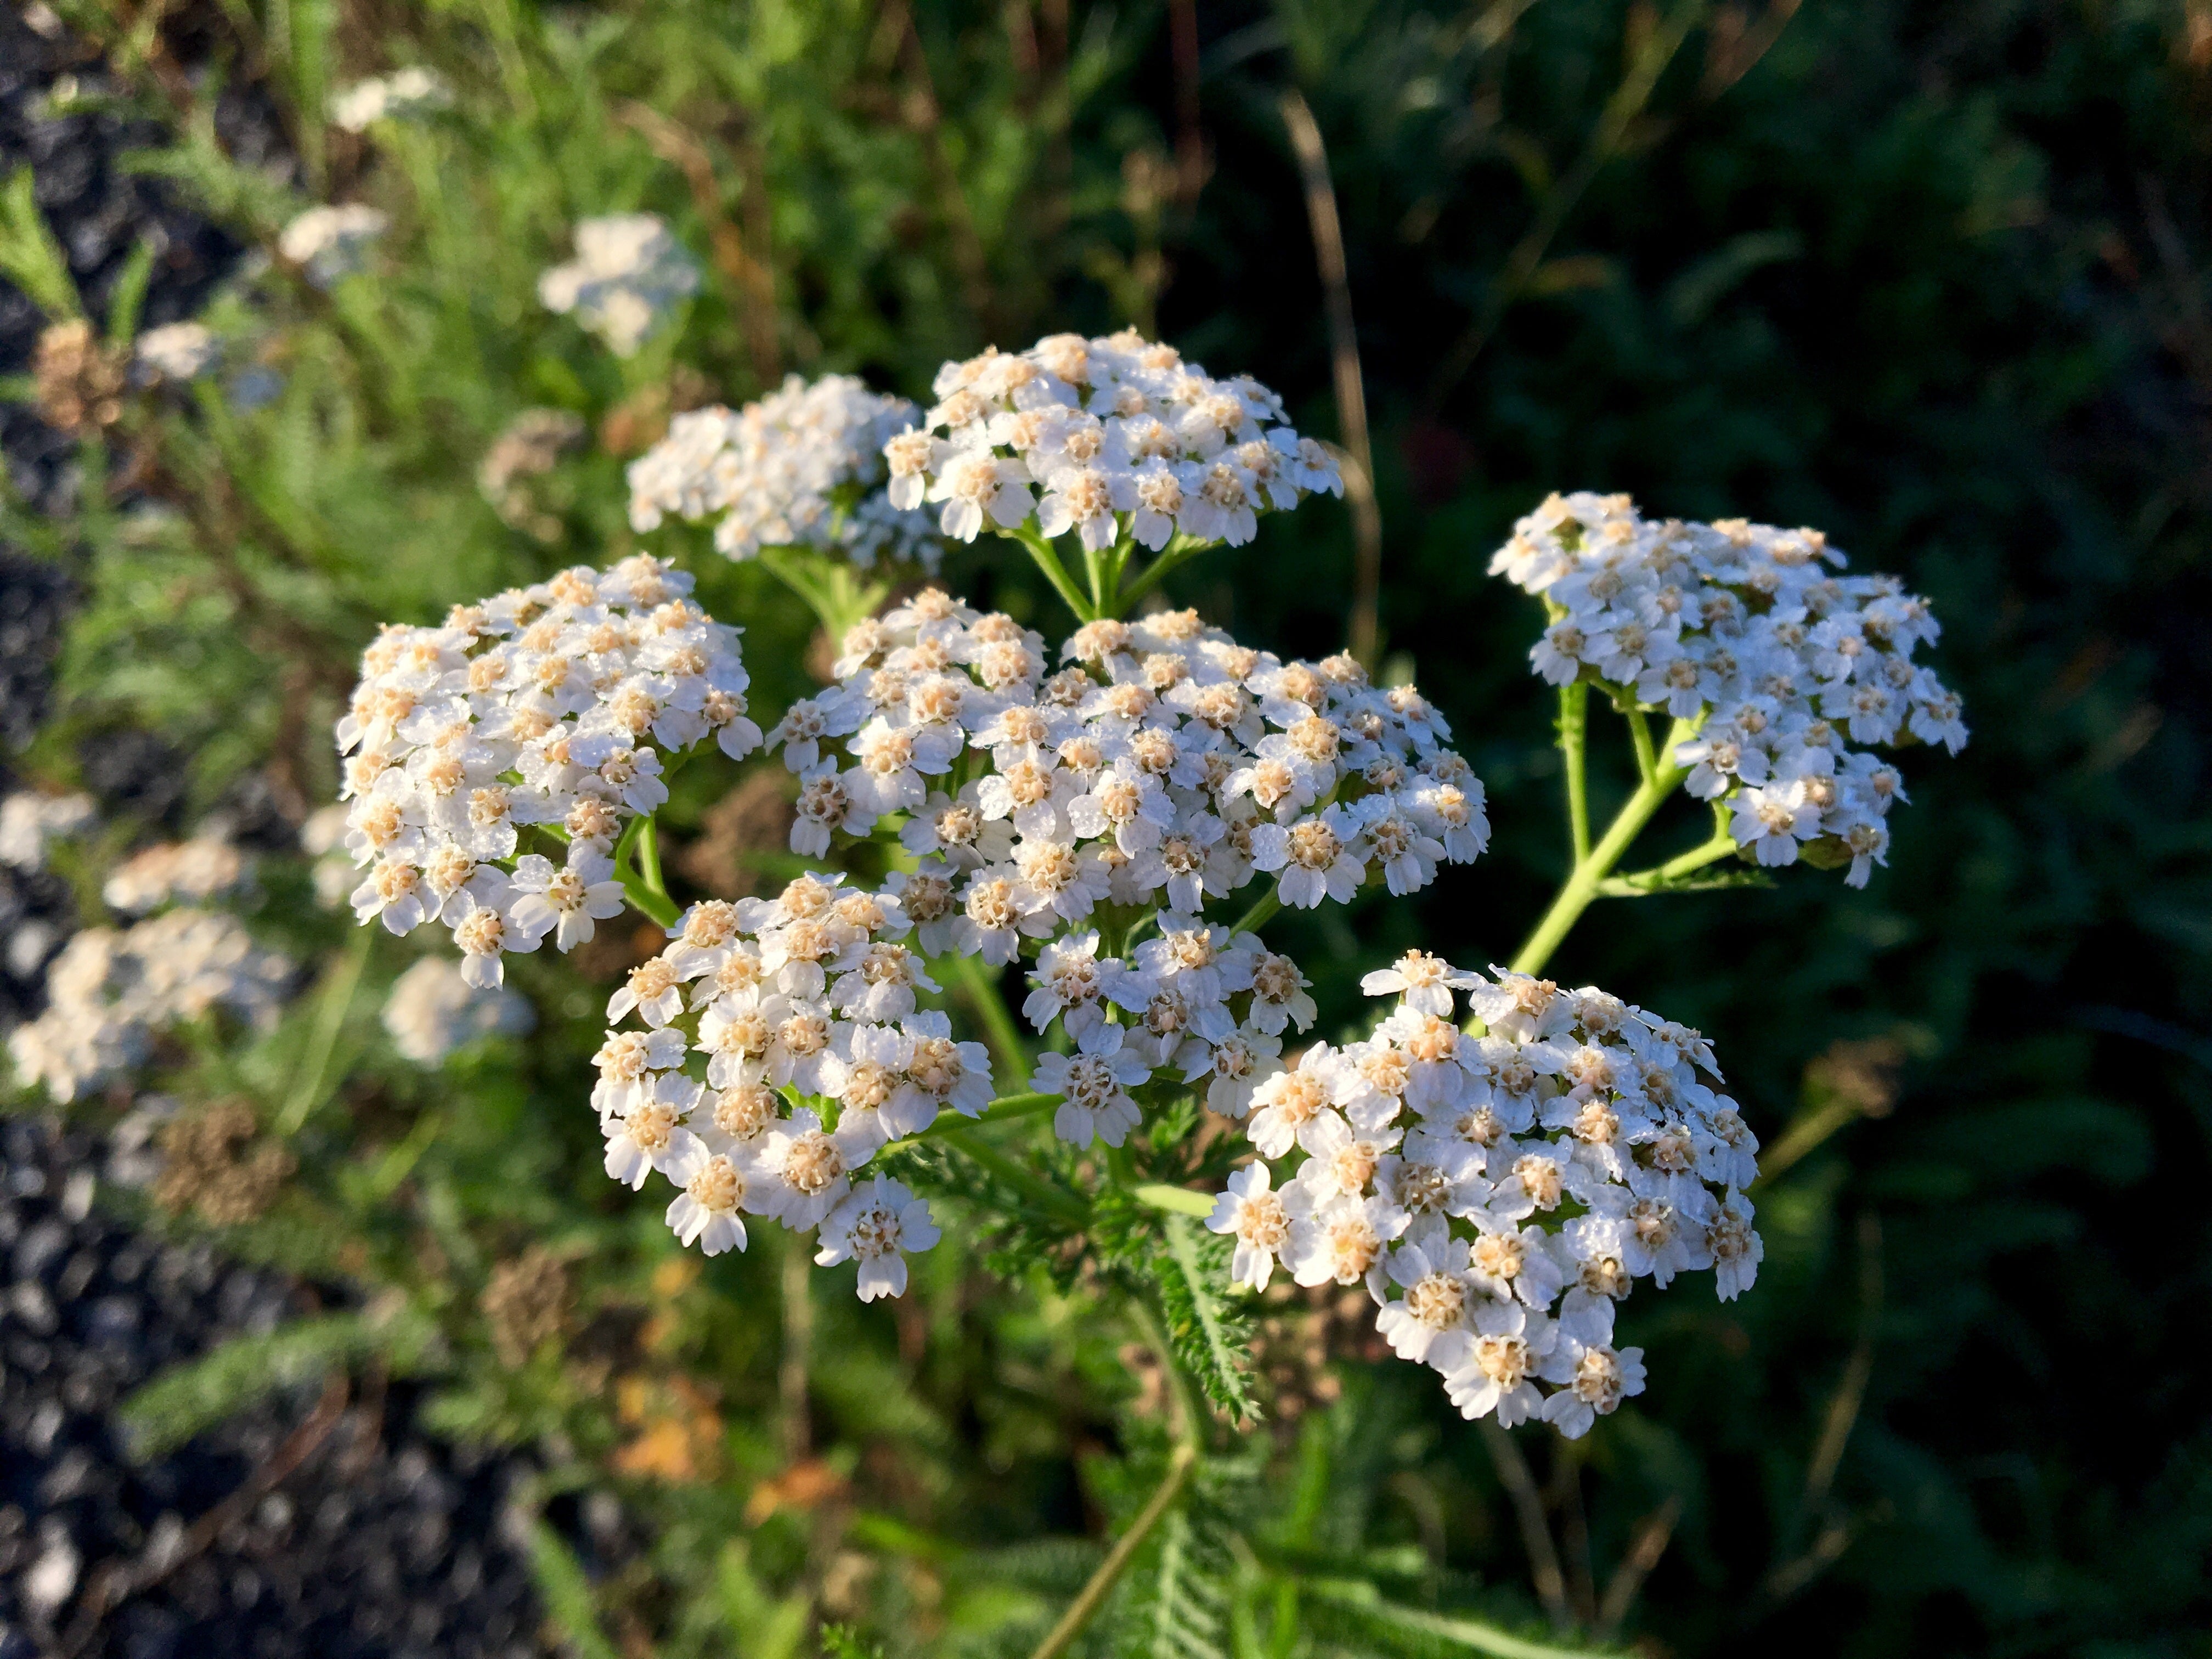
(1262, 911)
(637, 866)
(1656, 879)
(1055, 573)
(1181, 1462)
(1590, 874)
(1574, 744)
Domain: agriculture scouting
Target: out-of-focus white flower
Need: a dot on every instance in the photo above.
(801, 467)
(184, 872)
(110, 993)
(175, 352)
(432, 1010)
(29, 822)
(403, 94)
(331, 242)
(628, 273)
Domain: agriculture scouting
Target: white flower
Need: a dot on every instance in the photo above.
(28, 822)
(875, 1226)
(566, 900)
(176, 352)
(1095, 1085)
(716, 1186)
(628, 273)
(1426, 983)
(648, 1133)
(431, 1011)
(331, 242)
(394, 97)
(1263, 1223)
(1498, 1371)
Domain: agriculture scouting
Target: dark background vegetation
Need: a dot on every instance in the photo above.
(1930, 277)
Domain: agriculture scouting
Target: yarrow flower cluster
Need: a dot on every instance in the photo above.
(1499, 1194)
(1119, 434)
(628, 273)
(813, 1056)
(110, 993)
(398, 96)
(801, 467)
(331, 242)
(1789, 664)
(431, 1011)
(544, 712)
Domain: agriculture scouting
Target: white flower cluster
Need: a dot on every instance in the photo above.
(1165, 767)
(1791, 664)
(432, 1010)
(809, 997)
(110, 993)
(628, 274)
(536, 712)
(191, 872)
(1511, 1186)
(1121, 434)
(331, 242)
(803, 466)
(30, 822)
(398, 96)
(175, 352)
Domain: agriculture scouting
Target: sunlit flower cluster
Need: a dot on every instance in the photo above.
(110, 993)
(1795, 670)
(809, 997)
(1163, 767)
(803, 466)
(628, 274)
(331, 242)
(1499, 1194)
(431, 1011)
(543, 714)
(1104, 437)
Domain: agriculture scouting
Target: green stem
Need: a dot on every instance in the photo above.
(1657, 879)
(1639, 733)
(1179, 1199)
(1055, 1201)
(1581, 885)
(637, 866)
(1574, 735)
(1262, 912)
(1055, 573)
(1181, 1462)
(998, 1028)
(1177, 552)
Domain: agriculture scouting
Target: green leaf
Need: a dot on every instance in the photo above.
(1357, 1608)
(186, 1400)
(129, 294)
(570, 1602)
(29, 256)
(1210, 1335)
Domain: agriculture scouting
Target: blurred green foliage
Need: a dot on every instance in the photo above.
(1931, 276)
